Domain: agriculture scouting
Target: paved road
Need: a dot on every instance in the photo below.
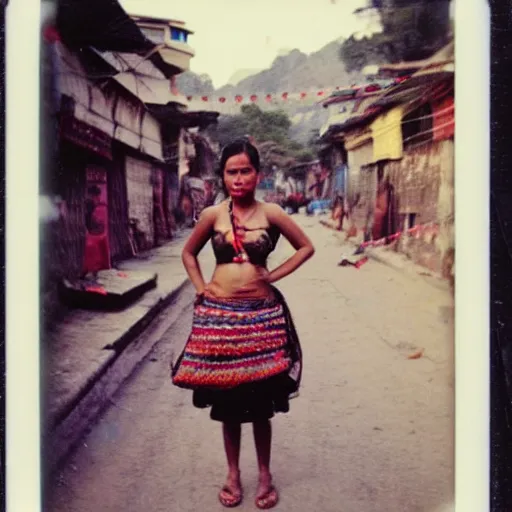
(371, 431)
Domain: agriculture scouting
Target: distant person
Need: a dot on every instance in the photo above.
(260, 371)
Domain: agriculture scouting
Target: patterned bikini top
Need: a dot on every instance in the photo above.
(238, 251)
(256, 251)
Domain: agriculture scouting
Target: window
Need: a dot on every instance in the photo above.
(178, 35)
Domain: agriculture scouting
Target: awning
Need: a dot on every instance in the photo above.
(131, 62)
(149, 90)
(170, 114)
(100, 23)
(105, 26)
(102, 115)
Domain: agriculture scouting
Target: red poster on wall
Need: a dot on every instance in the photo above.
(97, 249)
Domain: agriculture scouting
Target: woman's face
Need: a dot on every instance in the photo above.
(240, 177)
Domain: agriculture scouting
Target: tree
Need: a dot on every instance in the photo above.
(411, 30)
(271, 131)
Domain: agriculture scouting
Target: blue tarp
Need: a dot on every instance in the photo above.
(318, 204)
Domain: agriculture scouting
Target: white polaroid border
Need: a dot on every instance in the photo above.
(23, 475)
(472, 361)
(472, 261)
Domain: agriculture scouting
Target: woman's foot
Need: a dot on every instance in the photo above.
(231, 493)
(266, 495)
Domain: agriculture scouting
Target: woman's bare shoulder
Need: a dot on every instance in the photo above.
(272, 210)
(212, 212)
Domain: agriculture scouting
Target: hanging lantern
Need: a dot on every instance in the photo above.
(204, 98)
(254, 97)
(238, 98)
(268, 97)
(222, 99)
(285, 95)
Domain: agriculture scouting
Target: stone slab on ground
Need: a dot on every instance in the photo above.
(110, 290)
(80, 348)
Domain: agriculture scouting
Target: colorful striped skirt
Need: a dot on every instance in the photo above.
(242, 357)
(234, 342)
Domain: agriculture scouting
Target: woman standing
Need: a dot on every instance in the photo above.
(243, 357)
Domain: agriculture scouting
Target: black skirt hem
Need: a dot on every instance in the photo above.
(247, 403)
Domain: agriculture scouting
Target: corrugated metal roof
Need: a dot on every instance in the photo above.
(124, 62)
(149, 90)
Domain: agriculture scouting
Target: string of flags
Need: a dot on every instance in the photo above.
(431, 229)
(360, 259)
(318, 94)
(254, 98)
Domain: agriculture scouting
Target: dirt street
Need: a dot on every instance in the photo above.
(370, 432)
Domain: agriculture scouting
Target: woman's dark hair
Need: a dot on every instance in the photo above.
(235, 148)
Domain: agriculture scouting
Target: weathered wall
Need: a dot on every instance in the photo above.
(360, 183)
(63, 239)
(423, 181)
(140, 199)
(362, 213)
(119, 232)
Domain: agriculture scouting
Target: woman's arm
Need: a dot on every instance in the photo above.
(197, 240)
(294, 234)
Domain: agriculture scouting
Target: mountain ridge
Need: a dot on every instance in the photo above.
(292, 72)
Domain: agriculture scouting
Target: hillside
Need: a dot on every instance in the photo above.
(293, 72)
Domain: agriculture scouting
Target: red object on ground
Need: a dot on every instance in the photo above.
(96, 289)
(361, 262)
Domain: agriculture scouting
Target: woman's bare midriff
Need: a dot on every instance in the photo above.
(242, 280)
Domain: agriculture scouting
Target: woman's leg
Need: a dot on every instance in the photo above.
(231, 493)
(232, 437)
(266, 495)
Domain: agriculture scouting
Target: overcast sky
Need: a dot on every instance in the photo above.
(230, 35)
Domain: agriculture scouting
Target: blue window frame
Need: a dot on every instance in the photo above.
(178, 35)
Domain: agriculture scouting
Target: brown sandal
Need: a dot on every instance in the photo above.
(268, 500)
(230, 499)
